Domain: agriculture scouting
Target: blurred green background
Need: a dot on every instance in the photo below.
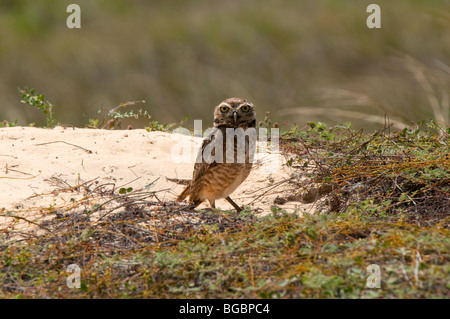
(301, 60)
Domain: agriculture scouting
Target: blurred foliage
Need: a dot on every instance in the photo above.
(303, 61)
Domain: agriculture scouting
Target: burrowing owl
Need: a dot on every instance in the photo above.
(217, 173)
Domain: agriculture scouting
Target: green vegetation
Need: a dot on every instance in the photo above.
(112, 120)
(37, 100)
(387, 204)
(114, 117)
(278, 256)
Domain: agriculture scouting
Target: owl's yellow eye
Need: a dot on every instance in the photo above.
(245, 108)
(224, 109)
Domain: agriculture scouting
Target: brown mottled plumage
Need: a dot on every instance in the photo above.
(211, 179)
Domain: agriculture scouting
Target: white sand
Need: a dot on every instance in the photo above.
(32, 160)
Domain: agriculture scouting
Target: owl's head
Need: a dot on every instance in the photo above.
(235, 112)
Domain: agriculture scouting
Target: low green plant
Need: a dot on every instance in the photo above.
(38, 101)
(6, 123)
(114, 116)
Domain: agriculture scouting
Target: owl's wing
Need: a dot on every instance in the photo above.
(205, 160)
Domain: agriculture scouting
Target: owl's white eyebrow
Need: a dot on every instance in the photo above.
(225, 104)
(248, 104)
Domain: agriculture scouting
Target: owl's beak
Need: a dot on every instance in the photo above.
(235, 116)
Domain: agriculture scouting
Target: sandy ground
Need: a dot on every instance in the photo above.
(36, 162)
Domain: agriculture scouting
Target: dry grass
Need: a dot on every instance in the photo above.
(388, 205)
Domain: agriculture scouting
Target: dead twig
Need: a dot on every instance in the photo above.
(80, 147)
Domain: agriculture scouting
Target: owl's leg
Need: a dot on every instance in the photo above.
(213, 204)
(196, 202)
(238, 209)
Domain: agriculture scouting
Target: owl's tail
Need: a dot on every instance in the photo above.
(184, 193)
(187, 192)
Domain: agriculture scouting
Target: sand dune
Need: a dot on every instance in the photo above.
(41, 168)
